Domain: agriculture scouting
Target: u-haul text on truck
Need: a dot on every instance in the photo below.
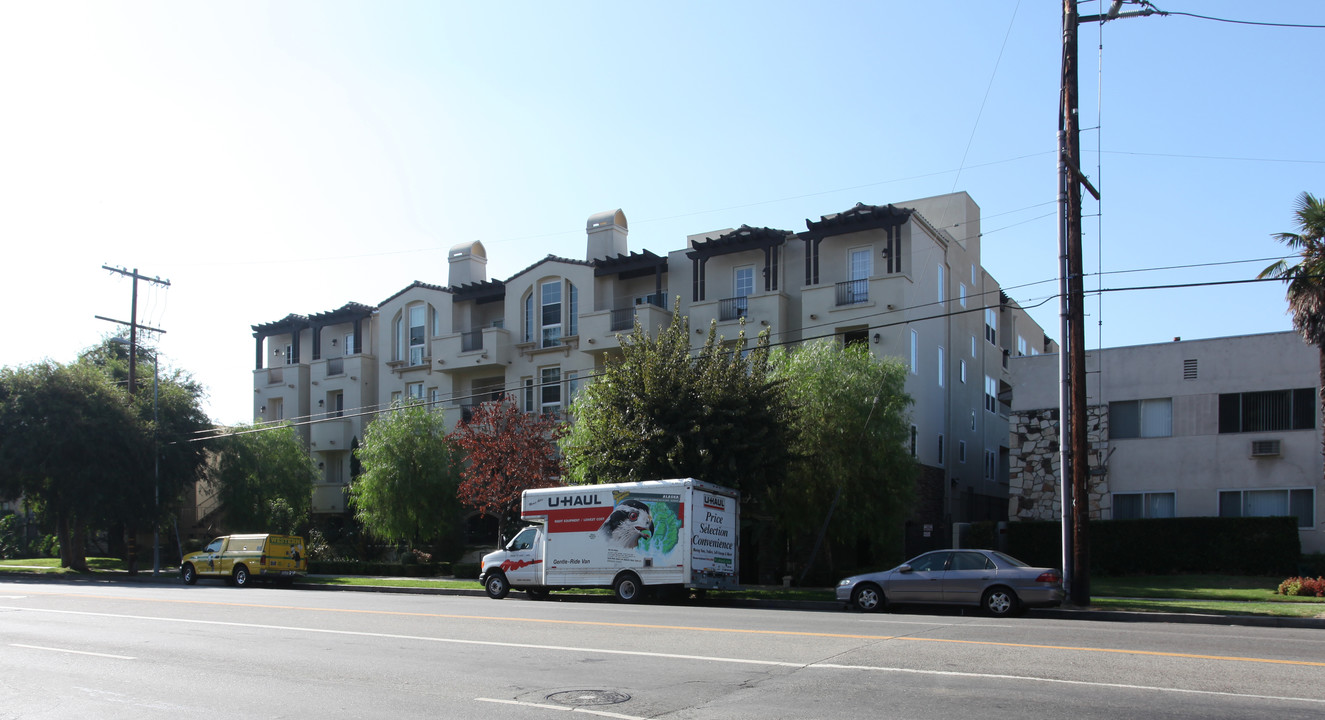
(631, 537)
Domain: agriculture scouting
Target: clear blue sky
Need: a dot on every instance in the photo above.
(270, 158)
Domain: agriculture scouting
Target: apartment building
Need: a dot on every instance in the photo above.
(904, 279)
(1219, 427)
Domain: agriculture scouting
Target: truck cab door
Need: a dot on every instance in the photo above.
(524, 561)
(210, 562)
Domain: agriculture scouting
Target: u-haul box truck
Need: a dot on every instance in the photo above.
(631, 537)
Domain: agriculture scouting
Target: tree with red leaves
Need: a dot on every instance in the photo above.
(508, 451)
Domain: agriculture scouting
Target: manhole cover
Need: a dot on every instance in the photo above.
(588, 697)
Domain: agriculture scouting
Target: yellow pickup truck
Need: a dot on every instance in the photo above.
(238, 559)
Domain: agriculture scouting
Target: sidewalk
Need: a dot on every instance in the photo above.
(1062, 613)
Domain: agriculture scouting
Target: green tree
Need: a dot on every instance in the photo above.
(1306, 277)
(852, 479)
(507, 451)
(659, 412)
(411, 472)
(71, 445)
(263, 478)
(171, 412)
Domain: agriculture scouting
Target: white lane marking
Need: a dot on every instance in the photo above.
(12, 597)
(674, 656)
(75, 652)
(545, 706)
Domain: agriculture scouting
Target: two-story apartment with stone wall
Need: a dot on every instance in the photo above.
(904, 279)
(1218, 427)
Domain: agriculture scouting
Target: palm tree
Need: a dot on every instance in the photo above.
(1306, 278)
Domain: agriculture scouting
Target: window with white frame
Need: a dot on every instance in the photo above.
(991, 394)
(349, 344)
(434, 398)
(1021, 345)
(1152, 418)
(972, 346)
(573, 314)
(529, 318)
(436, 321)
(1144, 505)
(417, 333)
(414, 391)
(943, 367)
(991, 326)
(915, 351)
(1292, 502)
(549, 394)
(743, 281)
(277, 406)
(961, 294)
(943, 289)
(962, 369)
(289, 355)
(550, 295)
(861, 263)
(528, 395)
(572, 387)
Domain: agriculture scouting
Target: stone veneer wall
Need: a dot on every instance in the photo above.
(1035, 465)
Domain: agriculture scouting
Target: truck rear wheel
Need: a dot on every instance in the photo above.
(496, 585)
(240, 577)
(628, 588)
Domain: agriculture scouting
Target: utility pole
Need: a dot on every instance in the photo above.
(1074, 446)
(133, 379)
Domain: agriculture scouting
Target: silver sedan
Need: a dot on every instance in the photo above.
(994, 581)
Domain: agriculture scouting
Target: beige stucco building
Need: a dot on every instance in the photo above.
(1225, 426)
(905, 279)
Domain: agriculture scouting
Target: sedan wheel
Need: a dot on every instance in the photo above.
(868, 597)
(1000, 602)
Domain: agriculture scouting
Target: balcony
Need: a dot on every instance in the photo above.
(329, 436)
(852, 292)
(478, 348)
(599, 330)
(758, 311)
(730, 309)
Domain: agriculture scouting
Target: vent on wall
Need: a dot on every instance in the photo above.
(1265, 448)
(1189, 369)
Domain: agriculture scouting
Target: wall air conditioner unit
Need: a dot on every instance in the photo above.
(1265, 448)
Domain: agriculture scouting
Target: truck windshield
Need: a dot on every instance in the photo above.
(524, 540)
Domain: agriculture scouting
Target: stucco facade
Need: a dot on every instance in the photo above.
(904, 279)
(1197, 428)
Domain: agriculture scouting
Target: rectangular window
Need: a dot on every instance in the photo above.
(991, 465)
(1021, 346)
(337, 404)
(973, 414)
(1135, 506)
(961, 451)
(1298, 503)
(434, 398)
(1268, 411)
(573, 317)
(915, 350)
(572, 387)
(943, 367)
(861, 264)
(349, 344)
(991, 394)
(991, 326)
(289, 355)
(436, 321)
(963, 371)
(961, 294)
(529, 318)
(743, 281)
(943, 290)
(914, 434)
(972, 346)
(551, 313)
(395, 397)
(549, 395)
(277, 406)
(1141, 418)
(414, 391)
(528, 395)
(941, 454)
(416, 334)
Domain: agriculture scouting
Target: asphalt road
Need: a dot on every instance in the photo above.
(117, 650)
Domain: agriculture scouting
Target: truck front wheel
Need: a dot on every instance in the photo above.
(496, 585)
(628, 588)
(189, 574)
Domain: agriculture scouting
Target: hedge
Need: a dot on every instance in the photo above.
(1191, 545)
(381, 569)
